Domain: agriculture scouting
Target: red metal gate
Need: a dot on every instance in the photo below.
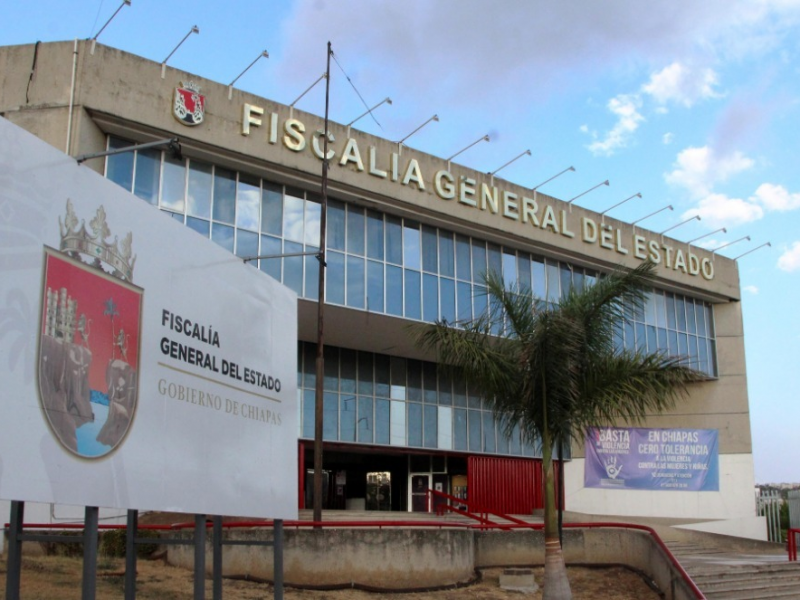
(511, 486)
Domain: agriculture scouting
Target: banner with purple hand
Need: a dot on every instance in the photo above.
(652, 459)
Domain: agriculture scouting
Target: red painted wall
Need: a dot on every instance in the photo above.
(511, 486)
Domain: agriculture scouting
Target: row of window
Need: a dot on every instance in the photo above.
(379, 262)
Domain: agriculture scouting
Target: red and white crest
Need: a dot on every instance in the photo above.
(189, 106)
(90, 329)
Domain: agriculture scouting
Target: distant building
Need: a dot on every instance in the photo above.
(409, 237)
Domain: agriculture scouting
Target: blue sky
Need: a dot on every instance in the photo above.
(689, 103)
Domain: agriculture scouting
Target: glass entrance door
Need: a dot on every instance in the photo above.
(419, 492)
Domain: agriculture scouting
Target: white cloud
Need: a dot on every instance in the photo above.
(698, 170)
(751, 289)
(681, 84)
(717, 210)
(790, 260)
(776, 197)
(626, 108)
(584, 129)
(668, 138)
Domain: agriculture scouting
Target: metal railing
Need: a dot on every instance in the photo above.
(791, 543)
(768, 504)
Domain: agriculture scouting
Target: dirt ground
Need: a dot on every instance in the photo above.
(51, 577)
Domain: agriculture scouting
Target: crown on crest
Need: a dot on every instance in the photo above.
(77, 241)
(191, 86)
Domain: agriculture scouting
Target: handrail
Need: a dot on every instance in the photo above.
(791, 546)
(438, 524)
(473, 515)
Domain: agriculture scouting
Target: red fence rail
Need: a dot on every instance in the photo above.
(791, 545)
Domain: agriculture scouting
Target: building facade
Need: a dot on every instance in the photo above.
(409, 238)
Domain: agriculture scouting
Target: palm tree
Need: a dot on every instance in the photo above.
(556, 371)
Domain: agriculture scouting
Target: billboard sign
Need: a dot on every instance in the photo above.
(628, 458)
(142, 365)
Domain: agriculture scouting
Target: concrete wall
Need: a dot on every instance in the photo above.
(392, 559)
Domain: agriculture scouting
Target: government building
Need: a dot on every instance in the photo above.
(409, 239)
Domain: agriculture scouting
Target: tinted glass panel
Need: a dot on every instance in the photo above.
(355, 282)
(272, 209)
(335, 234)
(148, 173)
(394, 240)
(413, 309)
(374, 235)
(200, 189)
(173, 184)
(271, 246)
(119, 167)
(199, 225)
(355, 230)
(430, 298)
(411, 246)
(293, 267)
(430, 250)
(222, 235)
(374, 286)
(394, 290)
(447, 290)
(293, 218)
(334, 280)
(446, 256)
(224, 195)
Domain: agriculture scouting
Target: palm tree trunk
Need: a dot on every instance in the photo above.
(556, 584)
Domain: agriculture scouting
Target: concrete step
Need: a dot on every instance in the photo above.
(754, 593)
(749, 583)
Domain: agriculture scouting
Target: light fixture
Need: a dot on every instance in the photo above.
(479, 140)
(636, 195)
(308, 89)
(264, 54)
(569, 202)
(652, 214)
(386, 100)
(753, 250)
(94, 39)
(694, 218)
(194, 29)
(433, 118)
(722, 229)
(553, 177)
(714, 251)
(517, 157)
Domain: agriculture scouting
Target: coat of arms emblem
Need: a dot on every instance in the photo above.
(189, 106)
(89, 337)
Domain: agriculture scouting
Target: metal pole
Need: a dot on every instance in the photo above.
(130, 554)
(277, 558)
(216, 545)
(199, 557)
(321, 312)
(14, 559)
(90, 553)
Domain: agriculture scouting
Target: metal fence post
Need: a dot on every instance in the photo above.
(90, 553)
(277, 558)
(14, 558)
(199, 557)
(130, 554)
(216, 545)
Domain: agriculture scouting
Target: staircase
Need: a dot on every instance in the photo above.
(726, 575)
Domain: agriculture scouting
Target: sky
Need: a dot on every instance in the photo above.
(690, 104)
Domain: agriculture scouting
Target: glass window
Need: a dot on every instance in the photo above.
(414, 424)
(430, 250)
(445, 417)
(330, 411)
(411, 246)
(309, 365)
(478, 261)
(691, 323)
(309, 406)
(119, 167)
(553, 291)
(480, 301)
(394, 290)
(173, 184)
(331, 360)
(459, 429)
(365, 383)
(671, 321)
(447, 291)
(446, 257)
(271, 246)
(394, 240)
(374, 286)
(464, 301)
(488, 433)
(463, 262)
(224, 195)
(680, 312)
(398, 423)
(700, 312)
(365, 423)
(355, 282)
(475, 441)
(246, 244)
(382, 421)
(222, 235)
(429, 382)
(293, 218)
(293, 267)
(509, 269)
(200, 188)
(539, 281)
(577, 278)
(312, 275)
(430, 298)
(248, 202)
(430, 426)
(334, 280)
(660, 309)
(312, 220)
(335, 225)
(382, 386)
(148, 173)
(445, 387)
(355, 230)
(413, 310)
(566, 279)
(374, 235)
(199, 225)
(347, 426)
(272, 209)
(347, 367)
(459, 392)
(414, 376)
(524, 271)
(495, 259)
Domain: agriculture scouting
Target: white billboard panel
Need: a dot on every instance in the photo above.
(141, 366)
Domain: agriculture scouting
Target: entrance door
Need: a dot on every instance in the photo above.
(419, 492)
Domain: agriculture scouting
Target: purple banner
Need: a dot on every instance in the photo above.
(630, 458)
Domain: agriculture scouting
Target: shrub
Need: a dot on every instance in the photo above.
(112, 543)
